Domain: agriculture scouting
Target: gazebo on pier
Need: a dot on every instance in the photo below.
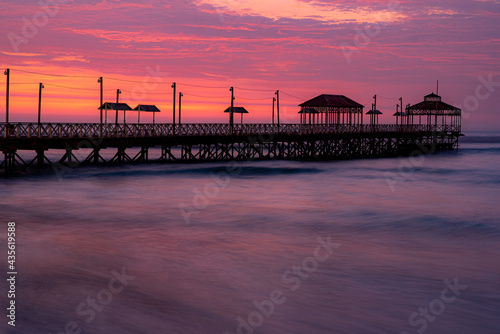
(116, 107)
(374, 114)
(433, 111)
(146, 108)
(237, 110)
(328, 109)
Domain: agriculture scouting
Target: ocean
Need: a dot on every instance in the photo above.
(395, 245)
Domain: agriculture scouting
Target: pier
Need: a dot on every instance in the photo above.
(331, 128)
(216, 142)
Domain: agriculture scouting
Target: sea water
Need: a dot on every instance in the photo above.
(396, 245)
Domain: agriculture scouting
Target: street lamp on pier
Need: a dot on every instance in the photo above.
(7, 73)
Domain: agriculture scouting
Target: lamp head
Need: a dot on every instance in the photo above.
(173, 85)
(99, 80)
(181, 94)
(231, 89)
(119, 91)
(42, 86)
(6, 72)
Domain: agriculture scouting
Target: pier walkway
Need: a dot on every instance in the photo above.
(216, 141)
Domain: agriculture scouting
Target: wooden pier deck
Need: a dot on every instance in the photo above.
(215, 142)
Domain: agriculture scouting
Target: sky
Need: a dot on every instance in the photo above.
(302, 48)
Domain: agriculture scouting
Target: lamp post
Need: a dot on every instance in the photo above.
(274, 100)
(40, 108)
(180, 103)
(278, 107)
(100, 106)
(40, 103)
(174, 85)
(397, 113)
(231, 119)
(408, 115)
(118, 92)
(401, 104)
(7, 73)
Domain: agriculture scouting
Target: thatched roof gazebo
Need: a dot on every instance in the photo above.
(331, 109)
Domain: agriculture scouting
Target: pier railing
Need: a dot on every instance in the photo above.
(86, 130)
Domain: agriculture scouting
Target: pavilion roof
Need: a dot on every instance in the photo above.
(432, 102)
(332, 101)
(433, 106)
(147, 107)
(237, 110)
(115, 106)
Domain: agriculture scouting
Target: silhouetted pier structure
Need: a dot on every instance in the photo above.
(324, 137)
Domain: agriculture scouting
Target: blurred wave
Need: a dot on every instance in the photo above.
(206, 254)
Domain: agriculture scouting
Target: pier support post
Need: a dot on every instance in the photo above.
(68, 158)
(121, 156)
(143, 155)
(69, 155)
(11, 159)
(9, 162)
(96, 155)
(166, 154)
(40, 157)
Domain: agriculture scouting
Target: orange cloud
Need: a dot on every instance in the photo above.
(296, 9)
(22, 54)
